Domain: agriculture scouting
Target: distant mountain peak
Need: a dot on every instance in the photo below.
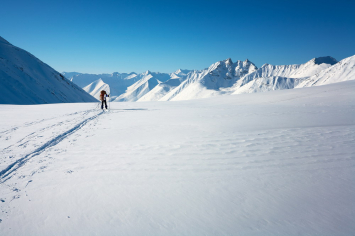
(228, 61)
(327, 60)
(182, 71)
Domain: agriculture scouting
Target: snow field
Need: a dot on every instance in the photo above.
(275, 163)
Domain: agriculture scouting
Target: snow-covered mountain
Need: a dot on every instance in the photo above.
(211, 81)
(341, 71)
(24, 79)
(117, 82)
(271, 77)
(95, 88)
(161, 89)
(147, 81)
(226, 77)
(221, 78)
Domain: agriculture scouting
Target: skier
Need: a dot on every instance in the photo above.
(103, 96)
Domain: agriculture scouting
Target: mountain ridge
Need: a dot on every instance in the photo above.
(222, 78)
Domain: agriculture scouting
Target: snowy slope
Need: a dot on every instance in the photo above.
(146, 82)
(270, 83)
(161, 89)
(95, 88)
(211, 81)
(24, 79)
(342, 71)
(276, 163)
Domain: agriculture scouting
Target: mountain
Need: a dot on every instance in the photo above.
(307, 69)
(339, 72)
(95, 88)
(221, 78)
(277, 77)
(27, 80)
(211, 81)
(117, 82)
(147, 81)
(161, 89)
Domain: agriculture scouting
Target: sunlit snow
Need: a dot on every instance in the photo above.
(273, 163)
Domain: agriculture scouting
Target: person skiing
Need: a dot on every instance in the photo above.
(103, 96)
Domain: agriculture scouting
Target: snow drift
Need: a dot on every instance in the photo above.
(27, 80)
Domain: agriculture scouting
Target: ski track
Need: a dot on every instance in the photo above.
(31, 140)
(28, 124)
(12, 168)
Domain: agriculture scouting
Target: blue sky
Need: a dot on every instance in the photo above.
(163, 36)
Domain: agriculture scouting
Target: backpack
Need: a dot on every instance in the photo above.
(102, 95)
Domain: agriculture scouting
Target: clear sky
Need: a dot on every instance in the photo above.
(103, 36)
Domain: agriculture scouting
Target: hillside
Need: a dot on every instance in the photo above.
(24, 79)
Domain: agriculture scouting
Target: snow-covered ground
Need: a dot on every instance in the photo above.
(273, 163)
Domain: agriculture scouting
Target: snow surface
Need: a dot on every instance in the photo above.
(274, 163)
(24, 79)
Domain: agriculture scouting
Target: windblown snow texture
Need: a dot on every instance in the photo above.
(276, 163)
(24, 79)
